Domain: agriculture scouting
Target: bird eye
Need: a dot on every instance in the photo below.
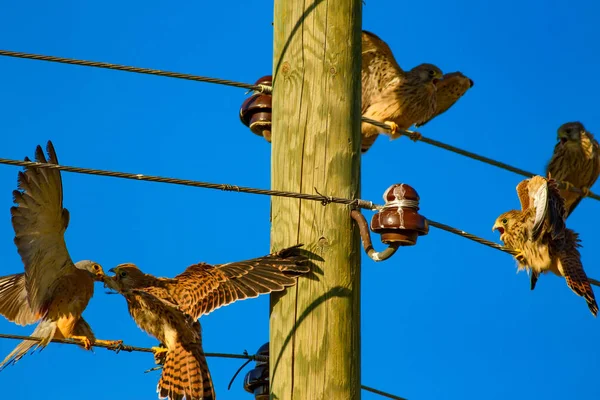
(431, 72)
(568, 131)
(96, 267)
(122, 274)
(504, 221)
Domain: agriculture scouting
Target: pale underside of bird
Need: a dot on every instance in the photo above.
(168, 309)
(575, 162)
(53, 291)
(541, 239)
(401, 99)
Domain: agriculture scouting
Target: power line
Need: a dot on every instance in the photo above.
(379, 392)
(185, 182)
(128, 348)
(479, 240)
(232, 188)
(268, 89)
(480, 158)
(126, 68)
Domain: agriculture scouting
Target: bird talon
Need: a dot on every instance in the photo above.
(85, 341)
(393, 126)
(114, 345)
(585, 191)
(519, 256)
(159, 354)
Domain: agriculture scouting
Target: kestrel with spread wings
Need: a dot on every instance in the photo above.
(53, 290)
(575, 162)
(543, 243)
(401, 99)
(168, 309)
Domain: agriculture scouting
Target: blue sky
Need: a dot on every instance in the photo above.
(446, 319)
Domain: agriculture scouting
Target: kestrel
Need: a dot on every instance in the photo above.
(53, 290)
(538, 234)
(575, 162)
(401, 99)
(177, 303)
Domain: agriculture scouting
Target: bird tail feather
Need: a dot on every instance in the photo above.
(45, 330)
(185, 375)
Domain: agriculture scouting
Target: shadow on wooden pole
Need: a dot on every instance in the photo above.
(315, 326)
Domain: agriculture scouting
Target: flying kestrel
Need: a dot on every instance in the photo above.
(53, 290)
(401, 99)
(575, 162)
(168, 309)
(543, 243)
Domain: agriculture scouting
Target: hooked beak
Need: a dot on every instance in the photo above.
(563, 137)
(498, 226)
(112, 270)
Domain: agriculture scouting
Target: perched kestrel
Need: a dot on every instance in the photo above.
(53, 290)
(178, 302)
(402, 99)
(543, 242)
(575, 162)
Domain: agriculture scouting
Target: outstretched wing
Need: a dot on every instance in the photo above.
(569, 265)
(449, 89)
(523, 193)
(39, 221)
(543, 195)
(13, 300)
(548, 198)
(202, 288)
(379, 68)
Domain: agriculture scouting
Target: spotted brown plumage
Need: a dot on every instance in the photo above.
(575, 161)
(401, 99)
(554, 248)
(53, 290)
(200, 289)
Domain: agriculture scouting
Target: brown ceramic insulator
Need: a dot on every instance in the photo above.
(256, 380)
(255, 112)
(399, 220)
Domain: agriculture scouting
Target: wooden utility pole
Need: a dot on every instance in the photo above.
(315, 326)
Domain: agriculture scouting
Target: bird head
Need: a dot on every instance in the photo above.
(427, 73)
(127, 276)
(92, 267)
(570, 132)
(505, 222)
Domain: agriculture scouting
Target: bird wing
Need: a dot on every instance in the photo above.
(202, 288)
(523, 193)
(13, 300)
(450, 88)
(570, 266)
(379, 68)
(540, 199)
(40, 221)
(544, 196)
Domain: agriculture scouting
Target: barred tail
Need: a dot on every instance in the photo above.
(185, 375)
(44, 330)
